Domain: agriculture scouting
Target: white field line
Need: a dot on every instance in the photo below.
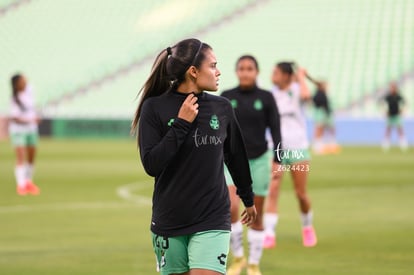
(63, 206)
(125, 192)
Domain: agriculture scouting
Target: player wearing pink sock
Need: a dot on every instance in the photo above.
(290, 91)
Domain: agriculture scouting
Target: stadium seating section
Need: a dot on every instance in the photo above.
(89, 58)
(5, 3)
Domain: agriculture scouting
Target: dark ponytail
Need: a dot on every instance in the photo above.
(15, 91)
(287, 67)
(168, 71)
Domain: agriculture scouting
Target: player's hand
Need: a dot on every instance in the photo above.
(249, 215)
(189, 108)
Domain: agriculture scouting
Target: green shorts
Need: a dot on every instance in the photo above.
(394, 121)
(24, 139)
(202, 250)
(322, 118)
(260, 169)
(291, 156)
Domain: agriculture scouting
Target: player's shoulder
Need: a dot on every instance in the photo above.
(230, 92)
(263, 92)
(159, 98)
(265, 95)
(218, 99)
(295, 87)
(152, 103)
(275, 90)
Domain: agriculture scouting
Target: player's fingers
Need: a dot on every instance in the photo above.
(244, 213)
(189, 98)
(193, 100)
(245, 217)
(247, 220)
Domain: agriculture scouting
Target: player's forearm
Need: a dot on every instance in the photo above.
(276, 136)
(305, 93)
(239, 169)
(238, 165)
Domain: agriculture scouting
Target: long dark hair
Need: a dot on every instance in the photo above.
(15, 92)
(168, 71)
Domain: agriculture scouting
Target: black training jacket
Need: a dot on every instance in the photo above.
(256, 110)
(186, 159)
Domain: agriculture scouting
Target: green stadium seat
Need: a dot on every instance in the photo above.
(357, 46)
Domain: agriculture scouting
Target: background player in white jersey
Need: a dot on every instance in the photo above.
(290, 91)
(23, 131)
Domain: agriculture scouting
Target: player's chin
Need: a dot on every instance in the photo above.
(213, 88)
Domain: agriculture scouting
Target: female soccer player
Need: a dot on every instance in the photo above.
(394, 102)
(23, 132)
(256, 111)
(185, 135)
(323, 121)
(294, 153)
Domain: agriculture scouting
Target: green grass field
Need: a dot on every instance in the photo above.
(363, 200)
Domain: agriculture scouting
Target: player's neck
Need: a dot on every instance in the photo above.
(284, 87)
(247, 87)
(188, 87)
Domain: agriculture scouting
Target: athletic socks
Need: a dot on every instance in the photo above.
(403, 143)
(236, 239)
(29, 172)
(270, 223)
(385, 144)
(20, 174)
(307, 219)
(255, 239)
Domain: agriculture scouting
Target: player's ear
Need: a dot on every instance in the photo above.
(192, 71)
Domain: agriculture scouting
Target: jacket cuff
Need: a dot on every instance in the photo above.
(247, 196)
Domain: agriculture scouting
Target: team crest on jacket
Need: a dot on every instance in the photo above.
(170, 122)
(214, 122)
(258, 105)
(234, 103)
